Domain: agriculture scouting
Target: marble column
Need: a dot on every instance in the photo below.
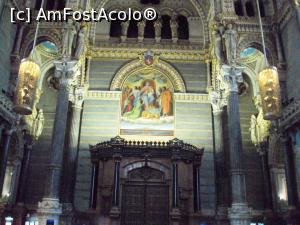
(239, 213)
(157, 27)
(141, 30)
(25, 167)
(115, 210)
(124, 26)
(220, 165)
(174, 28)
(50, 207)
(3, 157)
(197, 191)
(175, 212)
(94, 185)
(289, 163)
(70, 161)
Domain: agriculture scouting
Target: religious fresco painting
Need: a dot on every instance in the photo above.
(147, 105)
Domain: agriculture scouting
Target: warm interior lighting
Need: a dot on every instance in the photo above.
(270, 93)
(28, 77)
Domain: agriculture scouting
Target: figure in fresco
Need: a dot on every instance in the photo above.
(166, 102)
(135, 112)
(148, 95)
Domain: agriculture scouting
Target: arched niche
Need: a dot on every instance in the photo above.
(159, 66)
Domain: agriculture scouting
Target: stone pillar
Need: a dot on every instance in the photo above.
(70, 162)
(239, 213)
(50, 207)
(141, 30)
(197, 178)
(25, 167)
(175, 212)
(221, 170)
(94, 185)
(115, 210)
(293, 199)
(125, 26)
(3, 157)
(174, 28)
(157, 27)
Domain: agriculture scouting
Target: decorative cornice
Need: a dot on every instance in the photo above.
(179, 97)
(132, 51)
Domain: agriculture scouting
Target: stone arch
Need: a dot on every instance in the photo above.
(141, 163)
(159, 65)
(255, 42)
(253, 78)
(44, 35)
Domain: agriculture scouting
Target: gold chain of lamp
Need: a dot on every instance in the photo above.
(28, 77)
(268, 81)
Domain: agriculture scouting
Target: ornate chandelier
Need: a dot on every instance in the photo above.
(28, 77)
(269, 84)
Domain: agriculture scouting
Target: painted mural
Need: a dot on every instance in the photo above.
(147, 105)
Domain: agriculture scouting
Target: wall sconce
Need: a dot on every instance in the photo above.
(270, 93)
(29, 74)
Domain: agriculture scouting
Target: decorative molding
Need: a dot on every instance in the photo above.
(6, 109)
(290, 115)
(179, 97)
(134, 50)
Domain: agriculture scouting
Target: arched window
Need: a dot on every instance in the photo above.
(166, 32)
(149, 29)
(154, 2)
(238, 8)
(115, 28)
(250, 9)
(262, 9)
(132, 29)
(183, 28)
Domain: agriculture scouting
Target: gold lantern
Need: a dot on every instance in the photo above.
(29, 74)
(270, 93)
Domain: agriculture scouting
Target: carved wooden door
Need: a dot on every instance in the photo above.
(145, 201)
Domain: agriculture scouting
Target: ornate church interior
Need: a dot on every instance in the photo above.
(192, 118)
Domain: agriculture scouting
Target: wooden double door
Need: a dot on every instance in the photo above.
(145, 204)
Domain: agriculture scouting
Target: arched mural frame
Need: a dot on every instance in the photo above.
(159, 65)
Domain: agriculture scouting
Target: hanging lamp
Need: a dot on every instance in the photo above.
(28, 77)
(268, 81)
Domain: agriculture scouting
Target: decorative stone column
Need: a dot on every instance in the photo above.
(174, 28)
(70, 162)
(94, 185)
(141, 30)
(157, 28)
(124, 26)
(228, 11)
(221, 170)
(175, 212)
(293, 199)
(239, 213)
(50, 207)
(115, 210)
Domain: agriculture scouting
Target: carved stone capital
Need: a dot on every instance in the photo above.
(233, 76)
(77, 97)
(65, 72)
(218, 101)
(239, 214)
